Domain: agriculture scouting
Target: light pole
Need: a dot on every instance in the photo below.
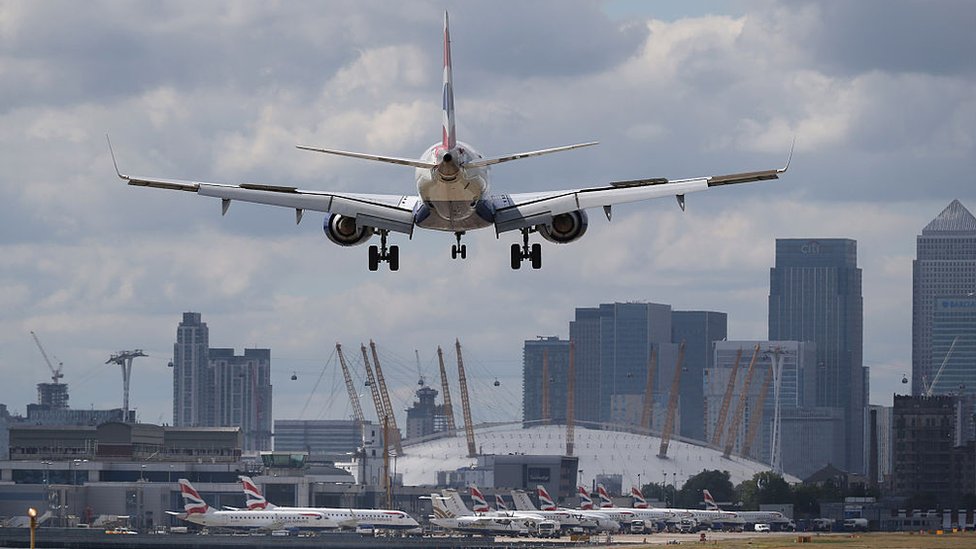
(32, 514)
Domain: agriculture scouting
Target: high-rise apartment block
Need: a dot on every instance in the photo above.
(815, 295)
(216, 388)
(944, 305)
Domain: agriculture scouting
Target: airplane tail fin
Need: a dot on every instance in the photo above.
(439, 504)
(478, 502)
(639, 501)
(500, 503)
(605, 500)
(709, 501)
(192, 502)
(522, 501)
(585, 501)
(546, 503)
(255, 501)
(449, 136)
(454, 504)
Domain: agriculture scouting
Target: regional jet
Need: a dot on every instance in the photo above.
(453, 195)
(377, 519)
(197, 511)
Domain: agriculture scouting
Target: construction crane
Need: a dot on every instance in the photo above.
(373, 387)
(726, 401)
(357, 409)
(646, 413)
(465, 403)
(56, 374)
(385, 395)
(571, 401)
(756, 417)
(124, 359)
(740, 408)
(545, 387)
(672, 404)
(420, 374)
(448, 408)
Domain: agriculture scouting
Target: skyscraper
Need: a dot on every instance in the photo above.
(613, 347)
(815, 295)
(555, 353)
(192, 379)
(699, 330)
(216, 388)
(241, 394)
(943, 305)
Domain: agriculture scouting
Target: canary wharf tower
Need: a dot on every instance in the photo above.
(815, 295)
(944, 305)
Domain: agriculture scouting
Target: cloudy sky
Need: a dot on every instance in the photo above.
(879, 95)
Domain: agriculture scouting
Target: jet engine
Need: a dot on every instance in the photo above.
(344, 231)
(564, 228)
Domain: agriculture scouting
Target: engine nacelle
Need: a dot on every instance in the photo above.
(564, 228)
(344, 231)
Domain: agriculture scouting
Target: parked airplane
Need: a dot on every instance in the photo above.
(381, 519)
(480, 507)
(452, 195)
(608, 521)
(708, 517)
(446, 516)
(567, 518)
(751, 517)
(197, 511)
(646, 513)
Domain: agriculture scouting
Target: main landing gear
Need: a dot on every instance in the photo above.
(533, 253)
(459, 250)
(390, 255)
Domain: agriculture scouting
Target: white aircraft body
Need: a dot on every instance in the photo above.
(197, 511)
(750, 517)
(382, 519)
(641, 510)
(453, 195)
(705, 517)
(532, 521)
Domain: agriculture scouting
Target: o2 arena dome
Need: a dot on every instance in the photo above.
(599, 452)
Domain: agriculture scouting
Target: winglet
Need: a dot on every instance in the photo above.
(114, 162)
(789, 158)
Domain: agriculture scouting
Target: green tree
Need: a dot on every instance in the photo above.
(764, 487)
(718, 483)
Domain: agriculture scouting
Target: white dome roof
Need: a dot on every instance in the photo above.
(599, 452)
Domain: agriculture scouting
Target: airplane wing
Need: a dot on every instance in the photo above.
(390, 212)
(518, 211)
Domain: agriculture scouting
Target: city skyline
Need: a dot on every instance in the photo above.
(93, 267)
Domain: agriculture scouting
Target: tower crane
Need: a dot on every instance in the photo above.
(56, 374)
(357, 409)
(672, 404)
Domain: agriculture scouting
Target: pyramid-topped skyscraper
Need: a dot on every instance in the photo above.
(944, 305)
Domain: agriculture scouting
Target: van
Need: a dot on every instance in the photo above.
(762, 527)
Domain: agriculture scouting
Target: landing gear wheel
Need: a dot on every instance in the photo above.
(459, 250)
(516, 256)
(454, 251)
(463, 251)
(536, 256)
(374, 258)
(394, 258)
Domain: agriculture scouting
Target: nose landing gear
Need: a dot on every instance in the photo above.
(382, 253)
(533, 253)
(459, 250)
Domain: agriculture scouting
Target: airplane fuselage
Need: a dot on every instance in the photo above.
(263, 519)
(451, 194)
